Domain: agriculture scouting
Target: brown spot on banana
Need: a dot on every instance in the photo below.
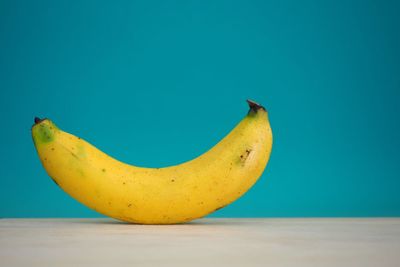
(244, 156)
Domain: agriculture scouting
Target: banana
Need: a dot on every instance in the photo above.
(169, 195)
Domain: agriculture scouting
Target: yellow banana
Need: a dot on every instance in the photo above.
(174, 194)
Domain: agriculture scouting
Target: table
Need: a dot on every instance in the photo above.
(206, 242)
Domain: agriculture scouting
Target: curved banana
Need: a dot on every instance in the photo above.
(168, 195)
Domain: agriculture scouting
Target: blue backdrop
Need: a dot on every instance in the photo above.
(155, 83)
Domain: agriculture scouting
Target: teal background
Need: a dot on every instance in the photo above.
(156, 83)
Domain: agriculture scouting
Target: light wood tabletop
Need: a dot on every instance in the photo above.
(205, 242)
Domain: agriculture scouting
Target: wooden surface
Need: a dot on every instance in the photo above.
(206, 242)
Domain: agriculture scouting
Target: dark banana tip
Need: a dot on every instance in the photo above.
(254, 106)
(39, 120)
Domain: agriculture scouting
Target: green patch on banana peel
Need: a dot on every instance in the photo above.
(43, 132)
